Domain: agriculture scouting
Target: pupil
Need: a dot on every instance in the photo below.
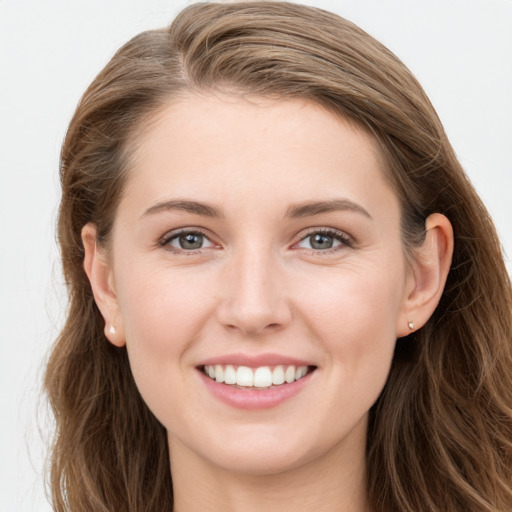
(191, 241)
(321, 241)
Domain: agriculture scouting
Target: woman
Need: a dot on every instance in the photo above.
(283, 289)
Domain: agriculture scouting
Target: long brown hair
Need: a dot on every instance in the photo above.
(440, 434)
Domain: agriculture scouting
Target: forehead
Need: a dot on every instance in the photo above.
(283, 119)
(221, 145)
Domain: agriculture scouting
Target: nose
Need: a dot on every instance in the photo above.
(254, 299)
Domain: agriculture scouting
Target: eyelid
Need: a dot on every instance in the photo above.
(164, 241)
(346, 240)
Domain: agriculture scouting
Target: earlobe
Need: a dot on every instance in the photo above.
(429, 271)
(100, 276)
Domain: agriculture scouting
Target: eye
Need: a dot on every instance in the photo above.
(186, 241)
(324, 241)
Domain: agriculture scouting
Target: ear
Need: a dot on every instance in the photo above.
(100, 274)
(428, 273)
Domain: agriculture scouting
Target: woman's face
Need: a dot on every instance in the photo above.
(258, 234)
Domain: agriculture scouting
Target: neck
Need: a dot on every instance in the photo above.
(332, 481)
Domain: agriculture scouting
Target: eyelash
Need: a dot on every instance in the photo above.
(166, 240)
(339, 236)
(343, 238)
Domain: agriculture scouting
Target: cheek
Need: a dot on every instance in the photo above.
(162, 315)
(158, 306)
(354, 316)
(356, 300)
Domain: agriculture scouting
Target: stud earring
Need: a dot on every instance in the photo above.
(411, 325)
(112, 330)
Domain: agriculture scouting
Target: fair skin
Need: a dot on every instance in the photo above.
(262, 233)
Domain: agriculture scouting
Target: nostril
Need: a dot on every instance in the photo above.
(253, 329)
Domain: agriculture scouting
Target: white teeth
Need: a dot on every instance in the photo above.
(262, 377)
(229, 375)
(289, 374)
(278, 376)
(219, 373)
(244, 376)
(300, 372)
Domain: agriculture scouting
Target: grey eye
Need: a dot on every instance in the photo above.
(321, 241)
(189, 241)
(186, 241)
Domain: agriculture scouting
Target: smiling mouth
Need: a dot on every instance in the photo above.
(263, 377)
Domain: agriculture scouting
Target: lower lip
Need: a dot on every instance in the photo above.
(254, 398)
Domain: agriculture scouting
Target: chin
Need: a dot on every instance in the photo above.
(268, 452)
(261, 462)
(255, 451)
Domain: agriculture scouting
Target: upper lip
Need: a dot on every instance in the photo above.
(254, 360)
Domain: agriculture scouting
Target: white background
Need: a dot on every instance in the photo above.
(460, 50)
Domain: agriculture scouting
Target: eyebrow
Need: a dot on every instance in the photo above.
(307, 209)
(312, 208)
(196, 207)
